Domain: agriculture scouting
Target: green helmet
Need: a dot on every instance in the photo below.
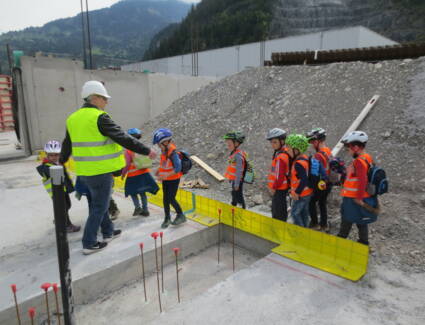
(297, 141)
(235, 135)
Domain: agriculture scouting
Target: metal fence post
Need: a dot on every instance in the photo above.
(57, 176)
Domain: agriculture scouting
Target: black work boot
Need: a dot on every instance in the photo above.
(181, 218)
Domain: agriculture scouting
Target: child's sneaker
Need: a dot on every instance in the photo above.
(94, 249)
(137, 211)
(181, 218)
(73, 228)
(114, 235)
(166, 223)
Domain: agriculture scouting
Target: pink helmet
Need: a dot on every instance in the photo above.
(52, 146)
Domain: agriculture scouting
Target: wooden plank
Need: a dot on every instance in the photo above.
(356, 123)
(207, 168)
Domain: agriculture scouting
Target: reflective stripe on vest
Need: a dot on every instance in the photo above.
(273, 174)
(230, 173)
(166, 165)
(47, 182)
(93, 153)
(351, 184)
(133, 170)
(295, 181)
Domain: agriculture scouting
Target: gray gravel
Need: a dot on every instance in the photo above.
(298, 98)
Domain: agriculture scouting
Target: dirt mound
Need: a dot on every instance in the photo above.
(298, 98)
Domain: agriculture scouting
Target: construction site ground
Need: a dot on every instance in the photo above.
(266, 288)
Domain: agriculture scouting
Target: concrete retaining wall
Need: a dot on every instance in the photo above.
(52, 91)
(229, 60)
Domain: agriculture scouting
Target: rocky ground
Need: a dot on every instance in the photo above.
(298, 98)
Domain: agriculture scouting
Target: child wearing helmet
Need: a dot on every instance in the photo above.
(323, 154)
(278, 180)
(139, 180)
(236, 166)
(354, 193)
(169, 173)
(52, 150)
(301, 192)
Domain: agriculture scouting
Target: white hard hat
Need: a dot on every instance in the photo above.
(355, 136)
(94, 87)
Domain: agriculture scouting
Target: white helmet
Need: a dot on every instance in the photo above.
(355, 136)
(94, 87)
(52, 146)
(276, 133)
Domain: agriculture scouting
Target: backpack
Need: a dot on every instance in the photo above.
(186, 161)
(249, 172)
(377, 181)
(316, 173)
(338, 171)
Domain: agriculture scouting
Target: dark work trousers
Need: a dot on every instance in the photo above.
(237, 196)
(169, 189)
(319, 198)
(279, 206)
(363, 231)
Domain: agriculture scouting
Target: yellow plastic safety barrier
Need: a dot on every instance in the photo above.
(329, 253)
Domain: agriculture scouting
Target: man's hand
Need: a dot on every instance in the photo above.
(295, 196)
(272, 191)
(152, 154)
(236, 188)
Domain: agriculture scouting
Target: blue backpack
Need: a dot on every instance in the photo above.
(377, 181)
(317, 173)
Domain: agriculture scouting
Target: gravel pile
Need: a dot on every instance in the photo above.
(298, 98)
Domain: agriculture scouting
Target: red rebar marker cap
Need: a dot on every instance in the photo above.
(176, 250)
(161, 234)
(45, 286)
(141, 245)
(13, 287)
(233, 210)
(31, 312)
(154, 235)
(55, 287)
(219, 211)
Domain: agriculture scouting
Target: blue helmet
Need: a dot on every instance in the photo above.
(161, 135)
(134, 131)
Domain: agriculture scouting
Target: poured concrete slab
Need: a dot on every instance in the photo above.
(198, 273)
(275, 290)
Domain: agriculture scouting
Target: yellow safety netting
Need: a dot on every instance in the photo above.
(326, 252)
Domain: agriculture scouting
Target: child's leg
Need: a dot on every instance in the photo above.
(144, 199)
(173, 188)
(135, 200)
(296, 212)
(166, 199)
(306, 210)
(363, 234)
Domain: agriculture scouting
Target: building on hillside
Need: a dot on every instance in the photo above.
(229, 60)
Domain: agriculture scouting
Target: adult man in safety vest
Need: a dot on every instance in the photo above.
(95, 143)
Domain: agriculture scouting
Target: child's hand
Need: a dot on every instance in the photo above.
(295, 196)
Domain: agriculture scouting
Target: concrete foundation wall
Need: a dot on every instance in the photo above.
(229, 60)
(52, 91)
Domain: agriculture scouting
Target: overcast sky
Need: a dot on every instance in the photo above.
(19, 14)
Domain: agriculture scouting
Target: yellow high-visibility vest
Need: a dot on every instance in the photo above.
(93, 153)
